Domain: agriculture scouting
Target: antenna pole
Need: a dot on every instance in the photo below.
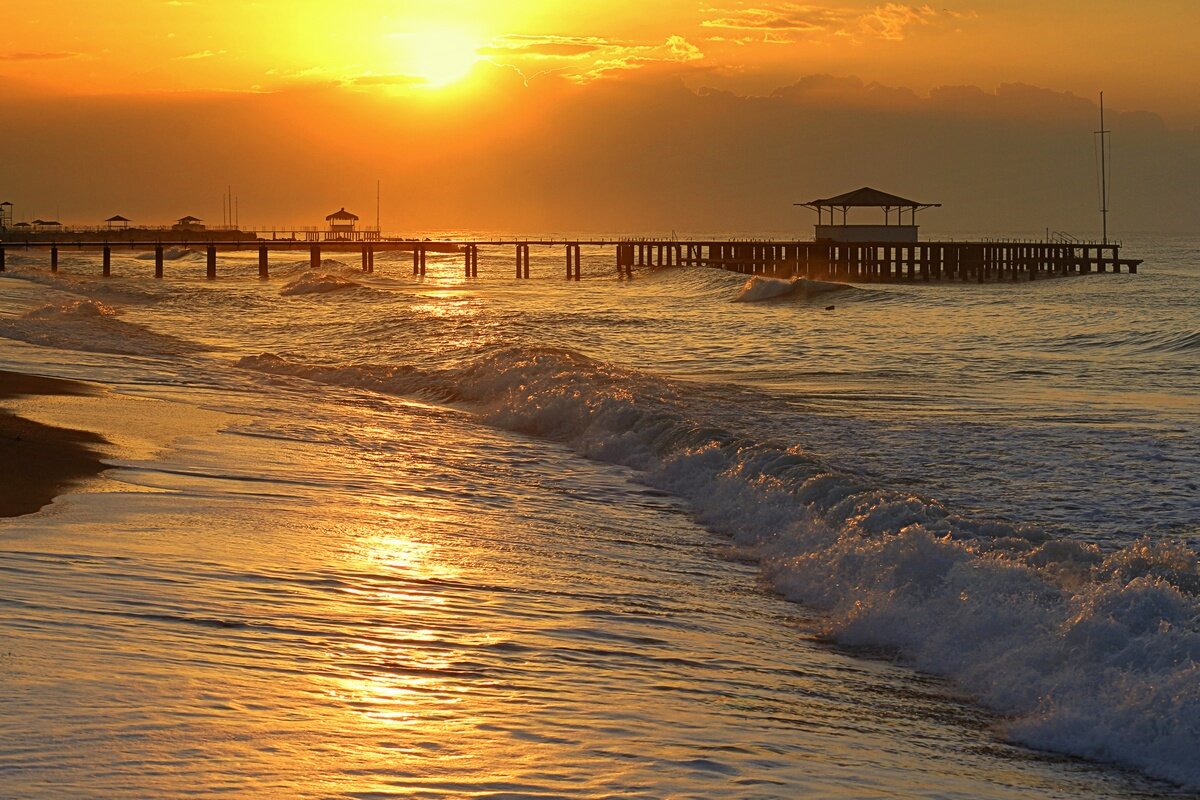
(1103, 173)
(377, 185)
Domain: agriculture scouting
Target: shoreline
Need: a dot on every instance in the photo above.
(40, 462)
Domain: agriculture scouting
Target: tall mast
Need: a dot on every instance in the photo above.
(1103, 173)
(377, 184)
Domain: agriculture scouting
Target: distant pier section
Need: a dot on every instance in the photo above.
(858, 253)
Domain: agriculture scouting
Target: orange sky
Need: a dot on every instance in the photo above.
(721, 113)
(1143, 54)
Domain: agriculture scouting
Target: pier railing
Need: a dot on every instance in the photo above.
(977, 260)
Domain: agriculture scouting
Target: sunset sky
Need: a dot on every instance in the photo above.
(97, 90)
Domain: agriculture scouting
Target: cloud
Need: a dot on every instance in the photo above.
(790, 18)
(544, 46)
(892, 20)
(199, 55)
(38, 56)
(582, 59)
(791, 22)
(388, 80)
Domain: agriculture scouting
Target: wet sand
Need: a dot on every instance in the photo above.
(39, 462)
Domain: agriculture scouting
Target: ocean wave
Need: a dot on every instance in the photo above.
(761, 288)
(172, 254)
(1148, 342)
(90, 326)
(1084, 652)
(317, 283)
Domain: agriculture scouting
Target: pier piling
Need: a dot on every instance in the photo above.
(522, 260)
(974, 261)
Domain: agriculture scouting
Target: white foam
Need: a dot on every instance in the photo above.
(169, 254)
(1082, 652)
(90, 326)
(761, 288)
(317, 283)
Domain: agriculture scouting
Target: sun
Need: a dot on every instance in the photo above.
(437, 56)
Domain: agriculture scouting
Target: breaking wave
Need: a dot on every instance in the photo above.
(761, 288)
(90, 326)
(317, 283)
(1082, 651)
(171, 254)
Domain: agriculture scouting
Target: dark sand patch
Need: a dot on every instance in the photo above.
(39, 462)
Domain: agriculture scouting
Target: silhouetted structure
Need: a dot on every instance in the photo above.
(341, 224)
(5, 215)
(188, 223)
(118, 222)
(866, 197)
(979, 260)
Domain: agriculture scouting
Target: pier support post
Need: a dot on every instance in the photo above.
(158, 261)
(314, 257)
(572, 262)
(2, 258)
(416, 260)
(264, 268)
(106, 267)
(366, 259)
(54, 258)
(370, 259)
(424, 258)
(212, 262)
(522, 260)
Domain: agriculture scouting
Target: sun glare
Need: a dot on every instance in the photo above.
(438, 57)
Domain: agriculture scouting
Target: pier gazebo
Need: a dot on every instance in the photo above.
(118, 222)
(341, 224)
(866, 197)
(188, 223)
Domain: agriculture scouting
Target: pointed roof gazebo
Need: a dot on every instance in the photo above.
(188, 223)
(341, 217)
(341, 224)
(118, 221)
(867, 197)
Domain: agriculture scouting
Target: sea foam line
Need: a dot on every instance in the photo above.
(1083, 652)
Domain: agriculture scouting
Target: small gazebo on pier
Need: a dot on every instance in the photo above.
(118, 222)
(341, 224)
(866, 197)
(188, 223)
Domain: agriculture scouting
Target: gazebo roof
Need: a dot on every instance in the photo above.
(39, 222)
(867, 197)
(118, 218)
(343, 214)
(188, 218)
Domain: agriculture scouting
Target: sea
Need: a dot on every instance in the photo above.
(690, 534)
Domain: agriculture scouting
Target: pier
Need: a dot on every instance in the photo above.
(978, 261)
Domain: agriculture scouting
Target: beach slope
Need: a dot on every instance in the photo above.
(38, 462)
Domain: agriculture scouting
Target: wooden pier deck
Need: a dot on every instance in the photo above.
(825, 260)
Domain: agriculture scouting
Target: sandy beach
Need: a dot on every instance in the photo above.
(37, 461)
